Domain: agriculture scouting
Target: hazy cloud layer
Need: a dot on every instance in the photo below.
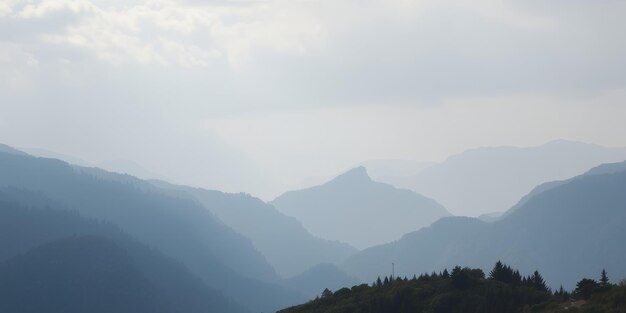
(203, 91)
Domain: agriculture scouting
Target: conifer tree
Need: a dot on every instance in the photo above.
(327, 293)
(496, 271)
(460, 277)
(585, 287)
(445, 274)
(604, 279)
(504, 273)
(537, 282)
(517, 278)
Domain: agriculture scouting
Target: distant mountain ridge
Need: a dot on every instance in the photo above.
(354, 209)
(493, 179)
(610, 168)
(178, 227)
(286, 244)
(571, 230)
(236, 243)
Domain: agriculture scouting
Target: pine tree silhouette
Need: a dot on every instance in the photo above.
(604, 279)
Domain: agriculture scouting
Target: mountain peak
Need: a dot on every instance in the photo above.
(354, 199)
(357, 174)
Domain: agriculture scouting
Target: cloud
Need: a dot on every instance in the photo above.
(163, 32)
(334, 139)
(91, 71)
(344, 51)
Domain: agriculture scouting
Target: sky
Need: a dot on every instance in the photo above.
(257, 96)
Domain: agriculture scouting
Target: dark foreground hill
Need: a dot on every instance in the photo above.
(463, 290)
(466, 290)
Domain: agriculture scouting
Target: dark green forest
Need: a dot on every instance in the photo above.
(463, 290)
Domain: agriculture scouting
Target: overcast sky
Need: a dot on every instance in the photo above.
(256, 96)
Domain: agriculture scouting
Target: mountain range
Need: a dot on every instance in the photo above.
(353, 208)
(285, 243)
(573, 229)
(178, 227)
(152, 246)
(492, 179)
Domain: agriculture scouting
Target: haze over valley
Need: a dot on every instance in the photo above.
(324, 156)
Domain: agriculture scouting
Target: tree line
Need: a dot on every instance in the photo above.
(464, 289)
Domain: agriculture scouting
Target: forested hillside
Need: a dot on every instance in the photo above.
(70, 256)
(177, 227)
(462, 290)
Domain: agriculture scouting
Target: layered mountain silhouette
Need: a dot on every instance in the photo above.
(288, 247)
(54, 260)
(610, 168)
(178, 227)
(487, 180)
(69, 232)
(354, 209)
(572, 229)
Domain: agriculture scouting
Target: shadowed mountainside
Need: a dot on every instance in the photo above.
(178, 227)
(71, 257)
(288, 247)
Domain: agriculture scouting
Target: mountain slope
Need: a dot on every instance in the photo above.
(444, 244)
(178, 227)
(24, 231)
(288, 247)
(354, 209)
(91, 269)
(8, 149)
(565, 232)
(488, 180)
(314, 280)
(610, 168)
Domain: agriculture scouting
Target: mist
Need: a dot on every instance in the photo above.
(278, 89)
(239, 156)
